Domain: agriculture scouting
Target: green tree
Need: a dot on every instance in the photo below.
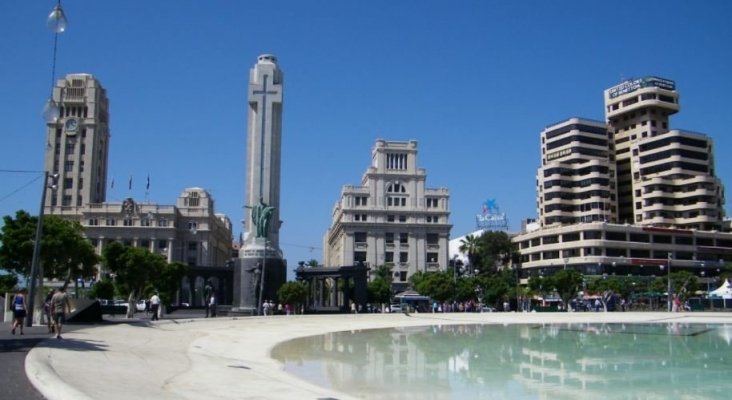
(469, 245)
(65, 254)
(313, 263)
(495, 251)
(134, 269)
(8, 283)
(169, 280)
(437, 285)
(567, 282)
(16, 237)
(293, 293)
(103, 289)
(379, 289)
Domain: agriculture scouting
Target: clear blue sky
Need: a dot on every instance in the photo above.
(474, 82)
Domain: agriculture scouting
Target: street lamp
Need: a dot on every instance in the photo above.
(566, 260)
(37, 247)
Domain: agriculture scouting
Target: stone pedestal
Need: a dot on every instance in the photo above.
(247, 275)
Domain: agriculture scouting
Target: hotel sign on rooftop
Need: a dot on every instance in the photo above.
(632, 85)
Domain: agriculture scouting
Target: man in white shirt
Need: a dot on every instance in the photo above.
(155, 306)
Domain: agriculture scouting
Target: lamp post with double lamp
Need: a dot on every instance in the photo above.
(35, 261)
(566, 261)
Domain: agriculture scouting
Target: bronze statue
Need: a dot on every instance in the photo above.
(261, 216)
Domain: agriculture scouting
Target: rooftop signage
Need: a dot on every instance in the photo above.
(491, 218)
(632, 85)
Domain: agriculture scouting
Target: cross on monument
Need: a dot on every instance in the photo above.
(264, 92)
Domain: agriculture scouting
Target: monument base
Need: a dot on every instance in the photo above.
(260, 267)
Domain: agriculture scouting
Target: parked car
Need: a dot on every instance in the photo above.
(487, 309)
(140, 306)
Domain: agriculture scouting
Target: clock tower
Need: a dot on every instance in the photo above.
(77, 145)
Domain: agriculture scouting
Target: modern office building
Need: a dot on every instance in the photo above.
(665, 177)
(575, 182)
(620, 196)
(77, 146)
(392, 218)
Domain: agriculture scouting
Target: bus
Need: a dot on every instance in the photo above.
(411, 301)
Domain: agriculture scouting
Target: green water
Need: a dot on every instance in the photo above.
(562, 361)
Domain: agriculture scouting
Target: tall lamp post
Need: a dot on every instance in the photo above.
(37, 248)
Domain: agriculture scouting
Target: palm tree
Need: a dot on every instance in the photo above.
(470, 246)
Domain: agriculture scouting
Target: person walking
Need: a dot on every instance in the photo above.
(19, 310)
(154, 306)
(61, 305)
(48, 311)
(212, 305)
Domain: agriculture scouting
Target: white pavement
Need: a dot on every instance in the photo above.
(228, 358)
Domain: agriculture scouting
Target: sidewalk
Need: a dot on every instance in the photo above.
(228, 358)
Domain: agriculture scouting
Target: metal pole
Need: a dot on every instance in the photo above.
(261, 279)
(36, 255)
(668, 280)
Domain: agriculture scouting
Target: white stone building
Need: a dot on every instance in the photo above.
(392, 218)
(76, 157)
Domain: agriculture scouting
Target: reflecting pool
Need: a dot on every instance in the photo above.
(562, 361)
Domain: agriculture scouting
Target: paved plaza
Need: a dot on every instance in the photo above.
(228, 358)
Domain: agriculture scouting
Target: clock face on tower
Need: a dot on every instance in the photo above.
(71, 125)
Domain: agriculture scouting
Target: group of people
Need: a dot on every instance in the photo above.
(55, 307)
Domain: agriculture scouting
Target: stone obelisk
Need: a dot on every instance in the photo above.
(261, 268)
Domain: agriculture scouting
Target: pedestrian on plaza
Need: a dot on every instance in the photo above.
(207, 293)
(19, 310)
(61, 305)
(154, 306)
(48, 311)
(212, 304)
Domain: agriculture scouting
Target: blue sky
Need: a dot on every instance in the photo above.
(474, 82)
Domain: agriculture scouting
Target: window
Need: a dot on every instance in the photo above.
(360, 217)
(403, 257)
(403, 238)
(389, 257)
(162, 244)
(403, 276)
(361, 200)
(402, 218)
(128, 222)
(433, 238)
(390, 218)
(145, 243)
(359, 237)
(192, 200)
(110, 222)
(145, 222)
(162, 222)
(432, 202)
(431, 257)
(359, 256)
(192, 246)
(193, 227)
(68, 166)
(389, 237)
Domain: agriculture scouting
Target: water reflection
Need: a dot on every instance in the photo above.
(519, 361)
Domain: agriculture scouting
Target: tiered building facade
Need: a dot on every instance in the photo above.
(621, 195)
(392, 218)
